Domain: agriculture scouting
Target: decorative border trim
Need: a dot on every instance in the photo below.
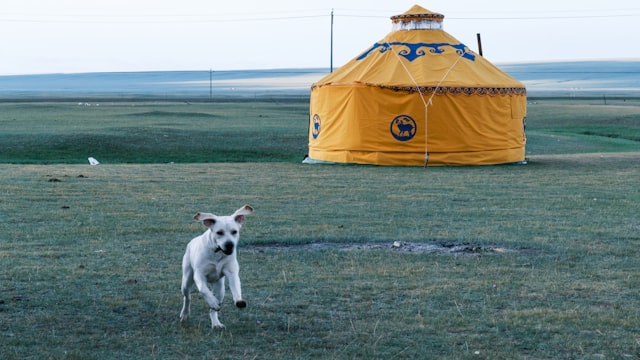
(453, 90)
(417, 17)
(441, 90)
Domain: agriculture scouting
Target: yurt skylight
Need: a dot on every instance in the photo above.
(417, 21)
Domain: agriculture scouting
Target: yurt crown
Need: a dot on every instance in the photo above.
(417, 18)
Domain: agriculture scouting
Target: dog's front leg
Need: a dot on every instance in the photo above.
(236, 291)
(209, 298)
(213, 302)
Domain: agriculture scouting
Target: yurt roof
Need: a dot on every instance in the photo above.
(418, 53)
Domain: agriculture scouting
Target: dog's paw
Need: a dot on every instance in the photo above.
(217, 305)
(241, 304)
(184, 317)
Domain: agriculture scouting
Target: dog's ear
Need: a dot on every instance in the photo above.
(206, 218)
(238, 216)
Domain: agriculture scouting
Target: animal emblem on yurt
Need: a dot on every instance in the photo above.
(315, 130)
(419, 93)
(403, 128)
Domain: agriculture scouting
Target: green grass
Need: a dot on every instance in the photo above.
(260, 130)
(150, 132)
(91, 254)
(583, 125)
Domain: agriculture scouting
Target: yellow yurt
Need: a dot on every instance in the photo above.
(417, 97)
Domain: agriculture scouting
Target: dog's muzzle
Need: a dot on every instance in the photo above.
(226, 248)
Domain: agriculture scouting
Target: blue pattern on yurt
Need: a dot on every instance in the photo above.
(413, 51)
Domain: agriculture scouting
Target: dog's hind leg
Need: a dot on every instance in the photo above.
(219, 292)
(215, 323)
(185, 288)
(187, 283)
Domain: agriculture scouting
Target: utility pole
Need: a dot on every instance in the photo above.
(331, 54)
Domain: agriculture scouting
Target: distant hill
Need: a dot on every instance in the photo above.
(578, 78)
(575, 78)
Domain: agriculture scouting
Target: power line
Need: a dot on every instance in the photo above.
(226, 18)
(146, 20)
(561, 17)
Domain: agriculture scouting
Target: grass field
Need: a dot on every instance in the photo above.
(258, 130)
(154, 132)
(91, 254)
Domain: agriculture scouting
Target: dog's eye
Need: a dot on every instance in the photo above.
(220, 232)
(234, 232)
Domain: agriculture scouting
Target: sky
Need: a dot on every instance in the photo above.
(77, 36)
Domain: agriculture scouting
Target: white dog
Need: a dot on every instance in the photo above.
(210, 258)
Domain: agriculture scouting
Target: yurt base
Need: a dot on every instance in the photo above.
(508, 156)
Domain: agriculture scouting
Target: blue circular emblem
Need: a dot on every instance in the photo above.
(315, 130)
(403, 127)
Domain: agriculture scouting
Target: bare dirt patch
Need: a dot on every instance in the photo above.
(395, 246)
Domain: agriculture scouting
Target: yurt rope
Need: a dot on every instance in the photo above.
(425, 102)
